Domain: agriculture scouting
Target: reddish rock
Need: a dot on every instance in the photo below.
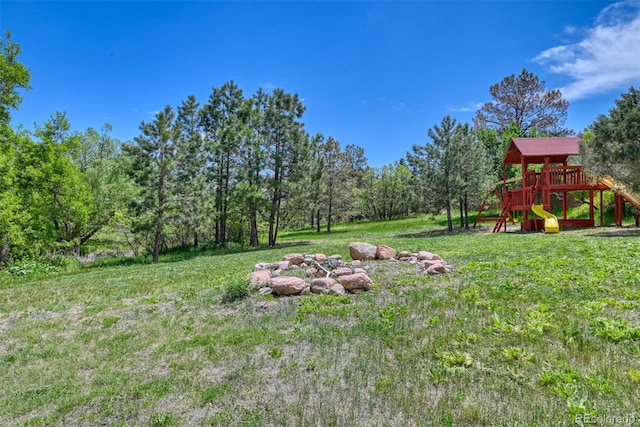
(260, 278)
(362, 250)
(320, 257)
(429, 263)
(295, 259)
(284, 285)
(283, 265)
(341, 271)
(337, 289)
(425, 255)
(404, 254)
(355, 282)
(359, 270)
(436, 269)
(311, 272)
(322, 286)
(385, 252)
(260, 266)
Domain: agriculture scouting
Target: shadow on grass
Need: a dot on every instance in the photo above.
(312, 233)
(184, 254)
(442, 232)
(622, 232)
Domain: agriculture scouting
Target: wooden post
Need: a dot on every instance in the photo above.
(601, 208)
(617, 209)
(591, 217)
(547, 193)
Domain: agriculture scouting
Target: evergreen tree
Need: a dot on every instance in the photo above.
(525, 101)
(612, 143)
(191, 168)
(223, 128)
(475, 172)
(436, 164)
(252, 164)
(285, 143)
(152, 164)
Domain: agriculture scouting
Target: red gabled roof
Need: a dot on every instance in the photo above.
(534, 150)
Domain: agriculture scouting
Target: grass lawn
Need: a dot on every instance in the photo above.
(530, 329)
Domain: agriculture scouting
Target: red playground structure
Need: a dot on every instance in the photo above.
(545, 171)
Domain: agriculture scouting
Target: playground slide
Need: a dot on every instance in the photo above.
(550, 220)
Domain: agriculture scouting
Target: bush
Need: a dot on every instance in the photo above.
(235, 289)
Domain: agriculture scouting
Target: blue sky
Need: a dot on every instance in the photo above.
(375, 74)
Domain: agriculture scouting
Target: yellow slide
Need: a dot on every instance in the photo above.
(550, 220)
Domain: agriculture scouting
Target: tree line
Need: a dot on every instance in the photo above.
(236, 169)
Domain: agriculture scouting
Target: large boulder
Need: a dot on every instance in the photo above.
(422, 255)
(355, 282)
(322, 285)
(337, 289)
(436, 269)
(385, 252)
(342, 271)
(294, 259)
(362, 250)
(285, 285)
(260, 278)
(320, 257)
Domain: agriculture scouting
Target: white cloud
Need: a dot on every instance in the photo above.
(606, 58)
(400, 106)
(469, 107)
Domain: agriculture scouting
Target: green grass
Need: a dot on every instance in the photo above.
(530, 329)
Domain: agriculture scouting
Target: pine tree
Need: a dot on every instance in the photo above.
(223, 128)
(285, 144)
(191, 184)
(152, 163)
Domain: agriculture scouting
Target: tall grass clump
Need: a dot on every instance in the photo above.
(236, 289)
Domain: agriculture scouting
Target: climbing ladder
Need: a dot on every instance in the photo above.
(502, 219)
(622, 194)
(621, 189)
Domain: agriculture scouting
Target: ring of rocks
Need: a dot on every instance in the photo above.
(331, 274)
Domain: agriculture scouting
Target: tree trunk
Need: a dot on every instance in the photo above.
(253, 227)
(466, 212)
(329, 217)
(461, 213)
(272, 222)
(4, 254)
(449, 222)
(318, 220)
(158, 241)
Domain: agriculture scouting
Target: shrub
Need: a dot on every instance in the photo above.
(235, 289)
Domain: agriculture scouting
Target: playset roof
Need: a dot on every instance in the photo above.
(535, 150)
